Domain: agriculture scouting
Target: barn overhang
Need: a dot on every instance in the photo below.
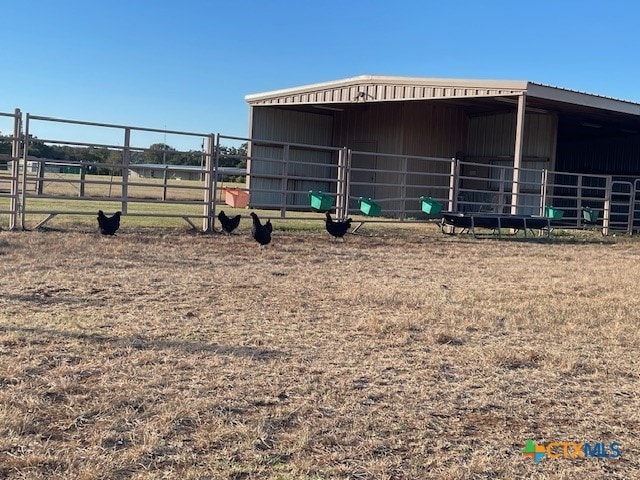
(477, 95)
(490, 122)
(581, 132)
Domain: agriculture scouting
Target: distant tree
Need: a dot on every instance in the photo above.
(192, 157)
(92, 155)
(114, 159)
(5, 144)
(233, 156)
(42, 150)
(160, 153)
(5, 147)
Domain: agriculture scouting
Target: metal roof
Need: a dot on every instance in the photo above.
(377, 88)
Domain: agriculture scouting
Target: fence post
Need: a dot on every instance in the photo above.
(41, 172)
(164, 182)
(606, 211)
(453, 184)
(630, 215)
(543, 191)
(347, 194)
(403, 188)
(284, 182)
(15, 168)
(25, 156)
(83, 176)
(126, 156)
(579, 200)
(501, 196)
(216, 175)
(341, 186)
(634, 201)
(209, 186)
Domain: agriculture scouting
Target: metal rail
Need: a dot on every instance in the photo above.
(281, 175)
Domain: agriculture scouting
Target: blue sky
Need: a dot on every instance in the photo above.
(188, 65)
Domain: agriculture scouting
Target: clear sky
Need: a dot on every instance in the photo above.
(187, 65)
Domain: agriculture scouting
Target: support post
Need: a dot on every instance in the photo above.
(517, 157)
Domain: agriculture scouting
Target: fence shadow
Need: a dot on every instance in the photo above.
(141, 343)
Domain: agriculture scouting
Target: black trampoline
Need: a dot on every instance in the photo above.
(470, 221)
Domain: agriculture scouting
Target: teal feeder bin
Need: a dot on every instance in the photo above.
(430, 206)
(554, 213)
(369, 207)
(320, 202)
(589, 216)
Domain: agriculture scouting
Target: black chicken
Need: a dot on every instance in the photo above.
(228, 224)
(108, 225)
(337, 229)
(261, 233)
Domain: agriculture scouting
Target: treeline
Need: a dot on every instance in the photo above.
(158, 153)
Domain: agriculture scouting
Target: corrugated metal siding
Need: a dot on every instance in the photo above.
(377, 89)
(540, 135)
(617, 156)
(494, 136)
(295, 127)
(282, 125)
(433, 129)
(417, 129)
(379, 93)
(425, 129)
(491, 136)
(381, 123)
(361, 159)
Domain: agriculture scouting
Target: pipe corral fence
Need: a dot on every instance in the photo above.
(280, 177)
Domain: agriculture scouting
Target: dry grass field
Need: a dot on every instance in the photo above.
(402, 354)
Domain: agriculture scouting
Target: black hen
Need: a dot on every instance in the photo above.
(228, 224)
(108, 225)
(337, 229)
(261, 233)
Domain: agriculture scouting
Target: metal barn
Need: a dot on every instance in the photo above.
(403, 132)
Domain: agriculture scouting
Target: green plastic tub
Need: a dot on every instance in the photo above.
(554, 213)
(369, 207)
(430, 206)
(320, 202)
(589, 216)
